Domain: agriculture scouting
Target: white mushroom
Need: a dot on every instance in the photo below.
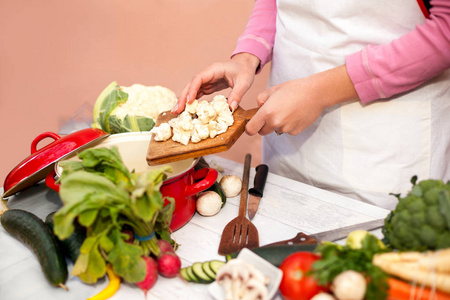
(242, 281)
(231, 185)
(208, 203)
(349, 285)
(323, 296)
(255, 290)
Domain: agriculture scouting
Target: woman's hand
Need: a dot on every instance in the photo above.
(292, 106)
(237, 73)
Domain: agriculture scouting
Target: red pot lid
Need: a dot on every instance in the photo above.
(41, 162)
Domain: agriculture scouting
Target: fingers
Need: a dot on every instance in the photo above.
(182, 100)
(206, 82)
(237, 93)
(263, 122)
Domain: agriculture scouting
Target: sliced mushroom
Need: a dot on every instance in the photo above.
(242, 281)
(255, 290)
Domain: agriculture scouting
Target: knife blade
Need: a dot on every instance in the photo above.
(330, 235)
(256, 192)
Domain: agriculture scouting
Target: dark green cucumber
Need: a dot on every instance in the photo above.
(32, 231)
(71, 245)
(277, 253)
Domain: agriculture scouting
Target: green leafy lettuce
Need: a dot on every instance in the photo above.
(105, 197)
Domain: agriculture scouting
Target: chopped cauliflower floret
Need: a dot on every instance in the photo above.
(220, 104)
(182, 128)
(225, 117)
(162, 133)
(192, 107)
(185, 121)
(212, 127)
(202, 119)
(205, 112)
(180, 135)
(200, 131)
(221, 127)
(216, 128)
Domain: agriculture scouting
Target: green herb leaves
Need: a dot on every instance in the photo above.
(337, 258)
(103, 196)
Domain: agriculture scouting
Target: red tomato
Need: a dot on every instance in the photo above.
(297, 284)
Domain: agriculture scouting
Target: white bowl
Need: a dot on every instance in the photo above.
(133, 147)
(274, 273)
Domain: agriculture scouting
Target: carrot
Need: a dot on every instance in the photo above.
(401, 290)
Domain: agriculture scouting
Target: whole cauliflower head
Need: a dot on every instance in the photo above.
(421, 219)
(121, 109)
(149, 101)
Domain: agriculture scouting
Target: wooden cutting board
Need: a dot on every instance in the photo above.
(170, 151)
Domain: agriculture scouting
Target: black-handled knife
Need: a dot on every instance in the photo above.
(256, 192)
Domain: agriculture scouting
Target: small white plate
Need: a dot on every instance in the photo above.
(274, 273)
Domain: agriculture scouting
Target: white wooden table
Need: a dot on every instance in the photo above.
(287, 208)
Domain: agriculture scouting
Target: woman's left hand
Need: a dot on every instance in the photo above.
(294, 105)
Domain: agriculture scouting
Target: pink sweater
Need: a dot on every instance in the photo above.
(377, 71)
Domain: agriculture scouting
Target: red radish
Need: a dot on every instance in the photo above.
(165, 246)
(169, 264)
(151, 276)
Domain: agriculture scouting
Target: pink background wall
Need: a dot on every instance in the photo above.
(57, 56)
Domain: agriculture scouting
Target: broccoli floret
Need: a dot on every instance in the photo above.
(421, 219)
(431, 196)
(443, 240)
(435, 218)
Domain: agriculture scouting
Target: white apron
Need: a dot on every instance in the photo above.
(363, 152)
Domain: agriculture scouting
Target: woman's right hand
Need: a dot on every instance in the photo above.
(237, 73)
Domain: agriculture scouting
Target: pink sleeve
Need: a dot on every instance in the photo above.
(381, 71)
(259, 34)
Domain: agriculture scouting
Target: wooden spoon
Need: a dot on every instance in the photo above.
(170, 151)
(240, 232)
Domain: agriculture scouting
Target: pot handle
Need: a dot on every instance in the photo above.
(42, 136)
(206, 177)
(50, 181)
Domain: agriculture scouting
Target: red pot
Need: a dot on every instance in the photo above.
(184, 190)
(183, 184)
